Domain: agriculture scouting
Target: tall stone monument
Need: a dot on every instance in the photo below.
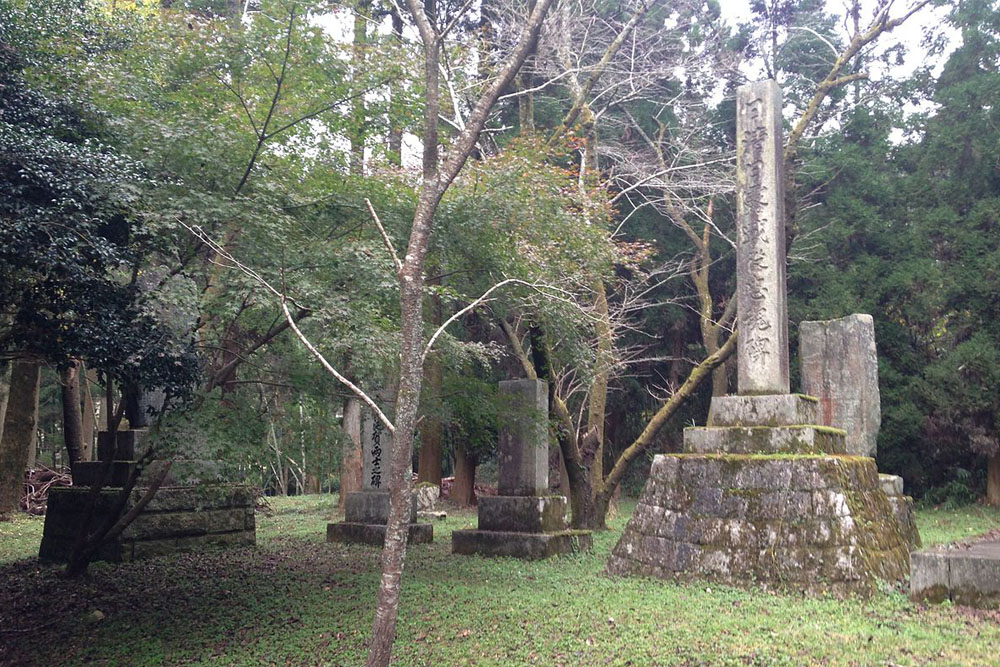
(523, 521)
(366, 513)
(765, 494)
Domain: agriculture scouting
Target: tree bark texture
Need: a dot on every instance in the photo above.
(69, 379)
(431, 429)
(350, 465)
(5, 367)
(20, 424)
(88, 378)
(463, 490)
(357, 134)
(993, 480)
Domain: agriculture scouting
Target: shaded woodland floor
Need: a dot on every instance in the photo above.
(295, 600)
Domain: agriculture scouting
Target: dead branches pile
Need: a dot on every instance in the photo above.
(37, 483)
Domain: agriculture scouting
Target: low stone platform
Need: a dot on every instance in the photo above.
(968, 576)
(366, 514)
(801, 522)
(529, 527)
(374, 533)
(529, 546)
(176, 519)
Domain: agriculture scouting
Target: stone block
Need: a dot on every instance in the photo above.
(764, 410)
(376, 453)
(426, 496)
(905, 515)
(120, 445)
(929, 576)
(372, 507)
(529, 546)
(524, 444)
(88, 473)
(374, 534)
(839, 366)
(522, 514)
(892, 485)
(974, 577)
(764, 440)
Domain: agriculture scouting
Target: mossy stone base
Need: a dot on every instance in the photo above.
(528, 546)
(374, 533)
(800, 439)
(176, 519)
(799, 522)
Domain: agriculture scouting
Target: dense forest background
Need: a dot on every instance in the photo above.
(144, 146)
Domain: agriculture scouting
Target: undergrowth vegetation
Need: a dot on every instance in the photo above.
(297, 600)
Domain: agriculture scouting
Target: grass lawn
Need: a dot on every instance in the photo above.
(295, 600)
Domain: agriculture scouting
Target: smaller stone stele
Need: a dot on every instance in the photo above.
(522, 522)
(366, 513)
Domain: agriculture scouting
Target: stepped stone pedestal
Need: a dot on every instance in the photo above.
(366, 513)
(788, 509)
(178, 518)
(523, 521)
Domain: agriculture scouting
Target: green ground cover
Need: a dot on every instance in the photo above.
(297, 600)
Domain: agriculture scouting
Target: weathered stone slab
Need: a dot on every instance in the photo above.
(529, 546)
(427, 496)
(765, 410)
(968, 576)
(120, 445)
(840, 368)
(153, 548)
(374, 534)
(524, 445)
(764, 440)
(762, 311)
(372, 507)
(524, 514)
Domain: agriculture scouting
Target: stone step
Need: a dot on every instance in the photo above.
(969, 576)
(523, 514)
(529, 546)
(764, 410)
(802, 439)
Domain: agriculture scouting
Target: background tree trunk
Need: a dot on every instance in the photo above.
(350, 465)
(72, 417)
(20, 424)
(4, 393)
(88, 377)
(431, 429)
(463, 490)
(993, 480)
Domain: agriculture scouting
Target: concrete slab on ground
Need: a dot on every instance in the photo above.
(967, 575)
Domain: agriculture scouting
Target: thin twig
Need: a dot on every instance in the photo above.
(385, 237)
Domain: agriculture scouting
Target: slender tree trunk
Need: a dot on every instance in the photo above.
(5, 367)
(599, 387)
(463, 490)
(993, 480)
(395, 98)
(350, 466)
(357, 133)
(89, 416)
(72, 417)
(431, 428)
(20, 425)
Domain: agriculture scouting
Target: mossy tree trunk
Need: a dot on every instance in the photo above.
(463, 489)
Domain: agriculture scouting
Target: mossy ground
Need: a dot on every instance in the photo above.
(297, 600)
